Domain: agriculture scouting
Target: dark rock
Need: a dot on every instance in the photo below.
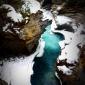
(11, 46)
(78, 74)
(2, 82)
(65, 27)
(24, 42)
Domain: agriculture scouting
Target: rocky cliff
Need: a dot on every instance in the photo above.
(19, 38)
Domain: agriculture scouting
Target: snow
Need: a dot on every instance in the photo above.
(8, 30)
(71, 51)
(68, 36)
(16, 17)
(56, 74)
(59, 20)
(46, 15)
(63, 20)
(17, 30)
(41, 47)
(69, 46)
(33, 5)
(65, 70)
(5, 27)
(59, 8)
(18, 71)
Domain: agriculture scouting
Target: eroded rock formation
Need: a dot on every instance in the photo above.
(21, 38)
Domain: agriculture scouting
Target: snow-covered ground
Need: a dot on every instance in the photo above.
(18, 71)
(16, 17)
(33, 5)
(65, 70)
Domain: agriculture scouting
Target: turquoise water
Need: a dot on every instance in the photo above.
(44, 67)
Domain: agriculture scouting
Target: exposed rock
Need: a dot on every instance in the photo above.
(11, 45)
(31, 31)
(25, 41)
(78, 72)
(3, 82)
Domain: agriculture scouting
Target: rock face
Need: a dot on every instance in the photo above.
(22, 41)
(73, 2)
(3, 82)
(31, 32)
(11, 46)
